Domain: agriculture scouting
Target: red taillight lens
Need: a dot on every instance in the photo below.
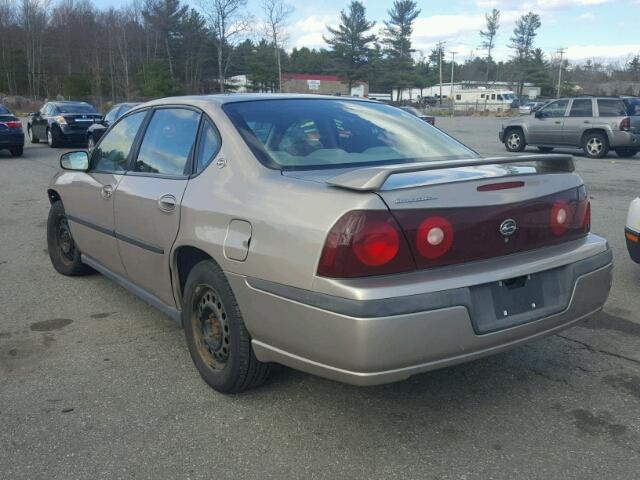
(364, 243)
(625, 124)
(376, 244)
(13, 125)
(560, 218)
(434, 237)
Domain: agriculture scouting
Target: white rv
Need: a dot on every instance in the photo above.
(484, 99)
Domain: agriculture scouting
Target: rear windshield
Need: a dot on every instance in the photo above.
(4, 111)
(312, 134)
(76, 108)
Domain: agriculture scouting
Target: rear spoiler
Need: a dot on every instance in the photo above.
(371, 179)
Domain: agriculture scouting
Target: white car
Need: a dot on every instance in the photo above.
(632, 230)
(529, 107)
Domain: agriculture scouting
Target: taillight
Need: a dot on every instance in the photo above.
(434, 237)
(12, 125)
(625, 124)
(363, 243)
(560, 218)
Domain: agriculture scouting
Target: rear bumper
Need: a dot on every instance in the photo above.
(368, 342)
(624, 139)
(73, 134)
(11, 140)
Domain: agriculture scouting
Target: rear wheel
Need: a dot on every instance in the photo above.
(546, 149)
(595, 145)
(218, 341)
(514, 140)
(32, 137)
(626, 152)
(16, 151)
(63, 252)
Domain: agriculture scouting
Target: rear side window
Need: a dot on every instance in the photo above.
(209, 146)
(610, 107)
(168, 142)
(112, 152)
(581, 108)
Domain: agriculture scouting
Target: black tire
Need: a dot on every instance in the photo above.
(63, 252)
(626, 152)
(32, 137)
(218, 341)
(595, 145)
(546, 149)
(514, 140)
(53, 137)
(16, 151)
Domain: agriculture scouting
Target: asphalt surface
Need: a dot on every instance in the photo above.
(96, 384)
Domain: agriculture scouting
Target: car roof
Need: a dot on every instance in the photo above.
(69, 102)
(223, 98)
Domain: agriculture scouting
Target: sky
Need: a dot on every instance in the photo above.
(606, 30)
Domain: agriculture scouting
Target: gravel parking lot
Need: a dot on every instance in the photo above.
(96, 384)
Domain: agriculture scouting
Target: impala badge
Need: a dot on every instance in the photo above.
(508, 227)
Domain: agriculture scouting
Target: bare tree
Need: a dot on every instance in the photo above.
(276, 14)
(32, 19)
(7, 45)
(228, 23)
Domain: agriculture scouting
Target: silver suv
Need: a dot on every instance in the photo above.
(595, 124)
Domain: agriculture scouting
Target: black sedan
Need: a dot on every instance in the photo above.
(62, 122)
(427, 118)
(95, 131)
(11, 134)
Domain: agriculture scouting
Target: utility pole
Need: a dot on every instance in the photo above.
(561, 52)
(453, 98)
(440, 48)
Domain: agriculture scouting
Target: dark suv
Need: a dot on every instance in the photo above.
(62, 122)
(595, 124)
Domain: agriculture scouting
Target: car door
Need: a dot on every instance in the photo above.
(147, 202)
(579, 118)
(545, 128)
(39, 122)
(89, 199)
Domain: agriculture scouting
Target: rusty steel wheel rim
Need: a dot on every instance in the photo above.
(65, 240)
(210, 327)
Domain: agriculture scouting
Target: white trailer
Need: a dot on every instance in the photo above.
(484, 99)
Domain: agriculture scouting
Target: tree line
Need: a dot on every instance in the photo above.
(154, 48)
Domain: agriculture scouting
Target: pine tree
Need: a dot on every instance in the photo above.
(524, 34)
(350, 42)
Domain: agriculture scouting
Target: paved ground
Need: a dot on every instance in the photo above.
(96, 384)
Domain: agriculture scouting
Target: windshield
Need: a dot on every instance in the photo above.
(318, 133)
(76, 108)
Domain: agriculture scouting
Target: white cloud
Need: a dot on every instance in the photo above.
(586, 16)
(311, 29)
(621, 51)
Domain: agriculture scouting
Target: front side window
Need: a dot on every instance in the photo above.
(312, 134)
(581, 108)
(168, 142)
(610, 107)
(209, 146)
(555, 109)
(112, 153)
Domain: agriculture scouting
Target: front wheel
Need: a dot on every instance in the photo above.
(514, 140)
(63, 252)
(218, 341)
(595, 145)
(626, 152)
(53, 138)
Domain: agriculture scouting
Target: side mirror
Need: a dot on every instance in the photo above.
(77, 161)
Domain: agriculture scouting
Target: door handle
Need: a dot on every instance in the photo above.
(167, 203)
(557, 122)
(107, 192)
(587, 121)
